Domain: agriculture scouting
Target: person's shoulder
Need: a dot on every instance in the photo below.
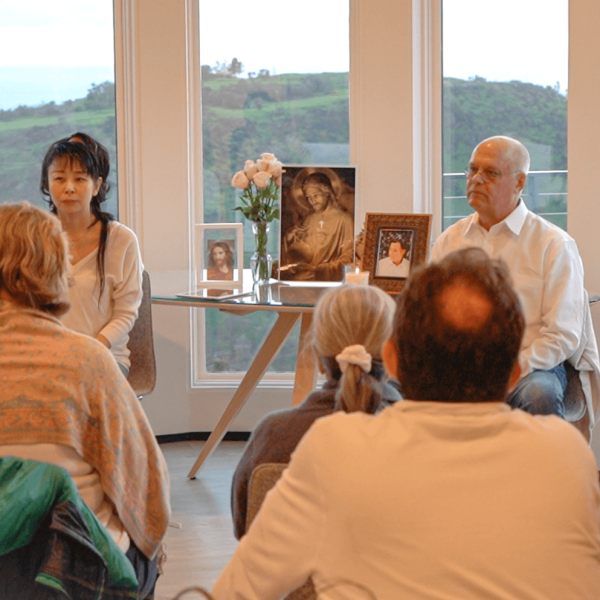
(552, 435)
(547, 228)
(88, 351)
(452, 238)
(119, 231)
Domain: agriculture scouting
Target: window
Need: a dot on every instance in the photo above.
(272, 81)
(505, 72)
(56, 78)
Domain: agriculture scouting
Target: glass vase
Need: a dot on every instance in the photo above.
(261, 262)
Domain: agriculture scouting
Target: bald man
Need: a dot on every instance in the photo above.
(448, 493)
(544, 263)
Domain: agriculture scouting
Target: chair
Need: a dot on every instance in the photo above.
(142, 373)
(263, 478)
(576, 411)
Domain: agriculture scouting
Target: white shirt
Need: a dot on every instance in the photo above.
(547, 273)
(117, 310)
(386, 267)
(429, 500)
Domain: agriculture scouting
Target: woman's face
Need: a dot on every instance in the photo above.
(219, 256)
(71, 187)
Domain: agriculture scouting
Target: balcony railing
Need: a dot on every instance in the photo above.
(545, 193)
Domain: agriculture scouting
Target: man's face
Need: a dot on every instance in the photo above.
(493, 189)
(317, 196)
(397, 252)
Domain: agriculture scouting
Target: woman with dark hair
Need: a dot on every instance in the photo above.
(220, 261)
(106, 267)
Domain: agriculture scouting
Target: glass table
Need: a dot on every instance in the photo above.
(292, 301)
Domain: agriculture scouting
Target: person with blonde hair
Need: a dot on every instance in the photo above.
(64, 400)
(350, 326)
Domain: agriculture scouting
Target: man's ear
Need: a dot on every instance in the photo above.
(515, 376)
(521, 179)
(390, 358)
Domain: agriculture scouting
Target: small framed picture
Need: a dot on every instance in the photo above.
(317, 222)
(219, 254)
(394, 245)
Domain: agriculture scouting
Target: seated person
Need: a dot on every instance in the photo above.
(450, 493)
(350, 325)
(105, 282)
(545, 267)
(63, 399)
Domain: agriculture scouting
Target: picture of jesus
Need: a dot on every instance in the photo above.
(321, 241)
(220, 261)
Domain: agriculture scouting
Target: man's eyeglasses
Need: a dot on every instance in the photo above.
(487, 175)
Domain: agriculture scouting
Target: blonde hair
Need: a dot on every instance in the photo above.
(33, 258)
(345, 316)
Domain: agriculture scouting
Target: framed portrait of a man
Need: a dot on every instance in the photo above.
(394, 245)
(317, 222)
(219, 253)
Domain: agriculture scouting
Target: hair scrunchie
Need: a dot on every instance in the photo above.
(354, 355)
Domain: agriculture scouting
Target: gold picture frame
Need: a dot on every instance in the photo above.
(394, 245)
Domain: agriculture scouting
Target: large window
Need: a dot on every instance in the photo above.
(272, 81)
(505, 72)
(56, 78)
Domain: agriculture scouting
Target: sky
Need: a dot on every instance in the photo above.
(46, 53)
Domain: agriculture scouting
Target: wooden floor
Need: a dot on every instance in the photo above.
(202, 541)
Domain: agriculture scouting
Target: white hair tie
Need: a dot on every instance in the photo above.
(354, 355)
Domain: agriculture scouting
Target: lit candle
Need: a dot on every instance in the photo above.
(357, 276)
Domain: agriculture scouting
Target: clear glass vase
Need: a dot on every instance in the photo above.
(261, 261)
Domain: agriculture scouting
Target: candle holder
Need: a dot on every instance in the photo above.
(353, 274)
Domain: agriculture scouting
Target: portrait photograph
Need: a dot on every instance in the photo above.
(393, 253)
(394, 245)
(219, 253)
(317, 222)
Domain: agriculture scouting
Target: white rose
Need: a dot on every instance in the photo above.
(261, 179)
(268, 156)
(278, 180)
(275, 168)
(250, 169)
(262, 164)
(240, 181)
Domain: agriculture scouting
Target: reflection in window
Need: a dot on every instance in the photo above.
(505, 72)
(56, 78)
(272, 81)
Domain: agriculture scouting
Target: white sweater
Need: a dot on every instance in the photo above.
(428, 501)
(115, 314)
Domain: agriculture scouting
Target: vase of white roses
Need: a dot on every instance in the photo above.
(260, 182)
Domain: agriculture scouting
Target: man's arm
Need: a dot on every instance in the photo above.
(560, 327)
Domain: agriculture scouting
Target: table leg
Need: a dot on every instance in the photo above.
(306, 374)
(276, 338)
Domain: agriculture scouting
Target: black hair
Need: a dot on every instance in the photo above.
(94, 159)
